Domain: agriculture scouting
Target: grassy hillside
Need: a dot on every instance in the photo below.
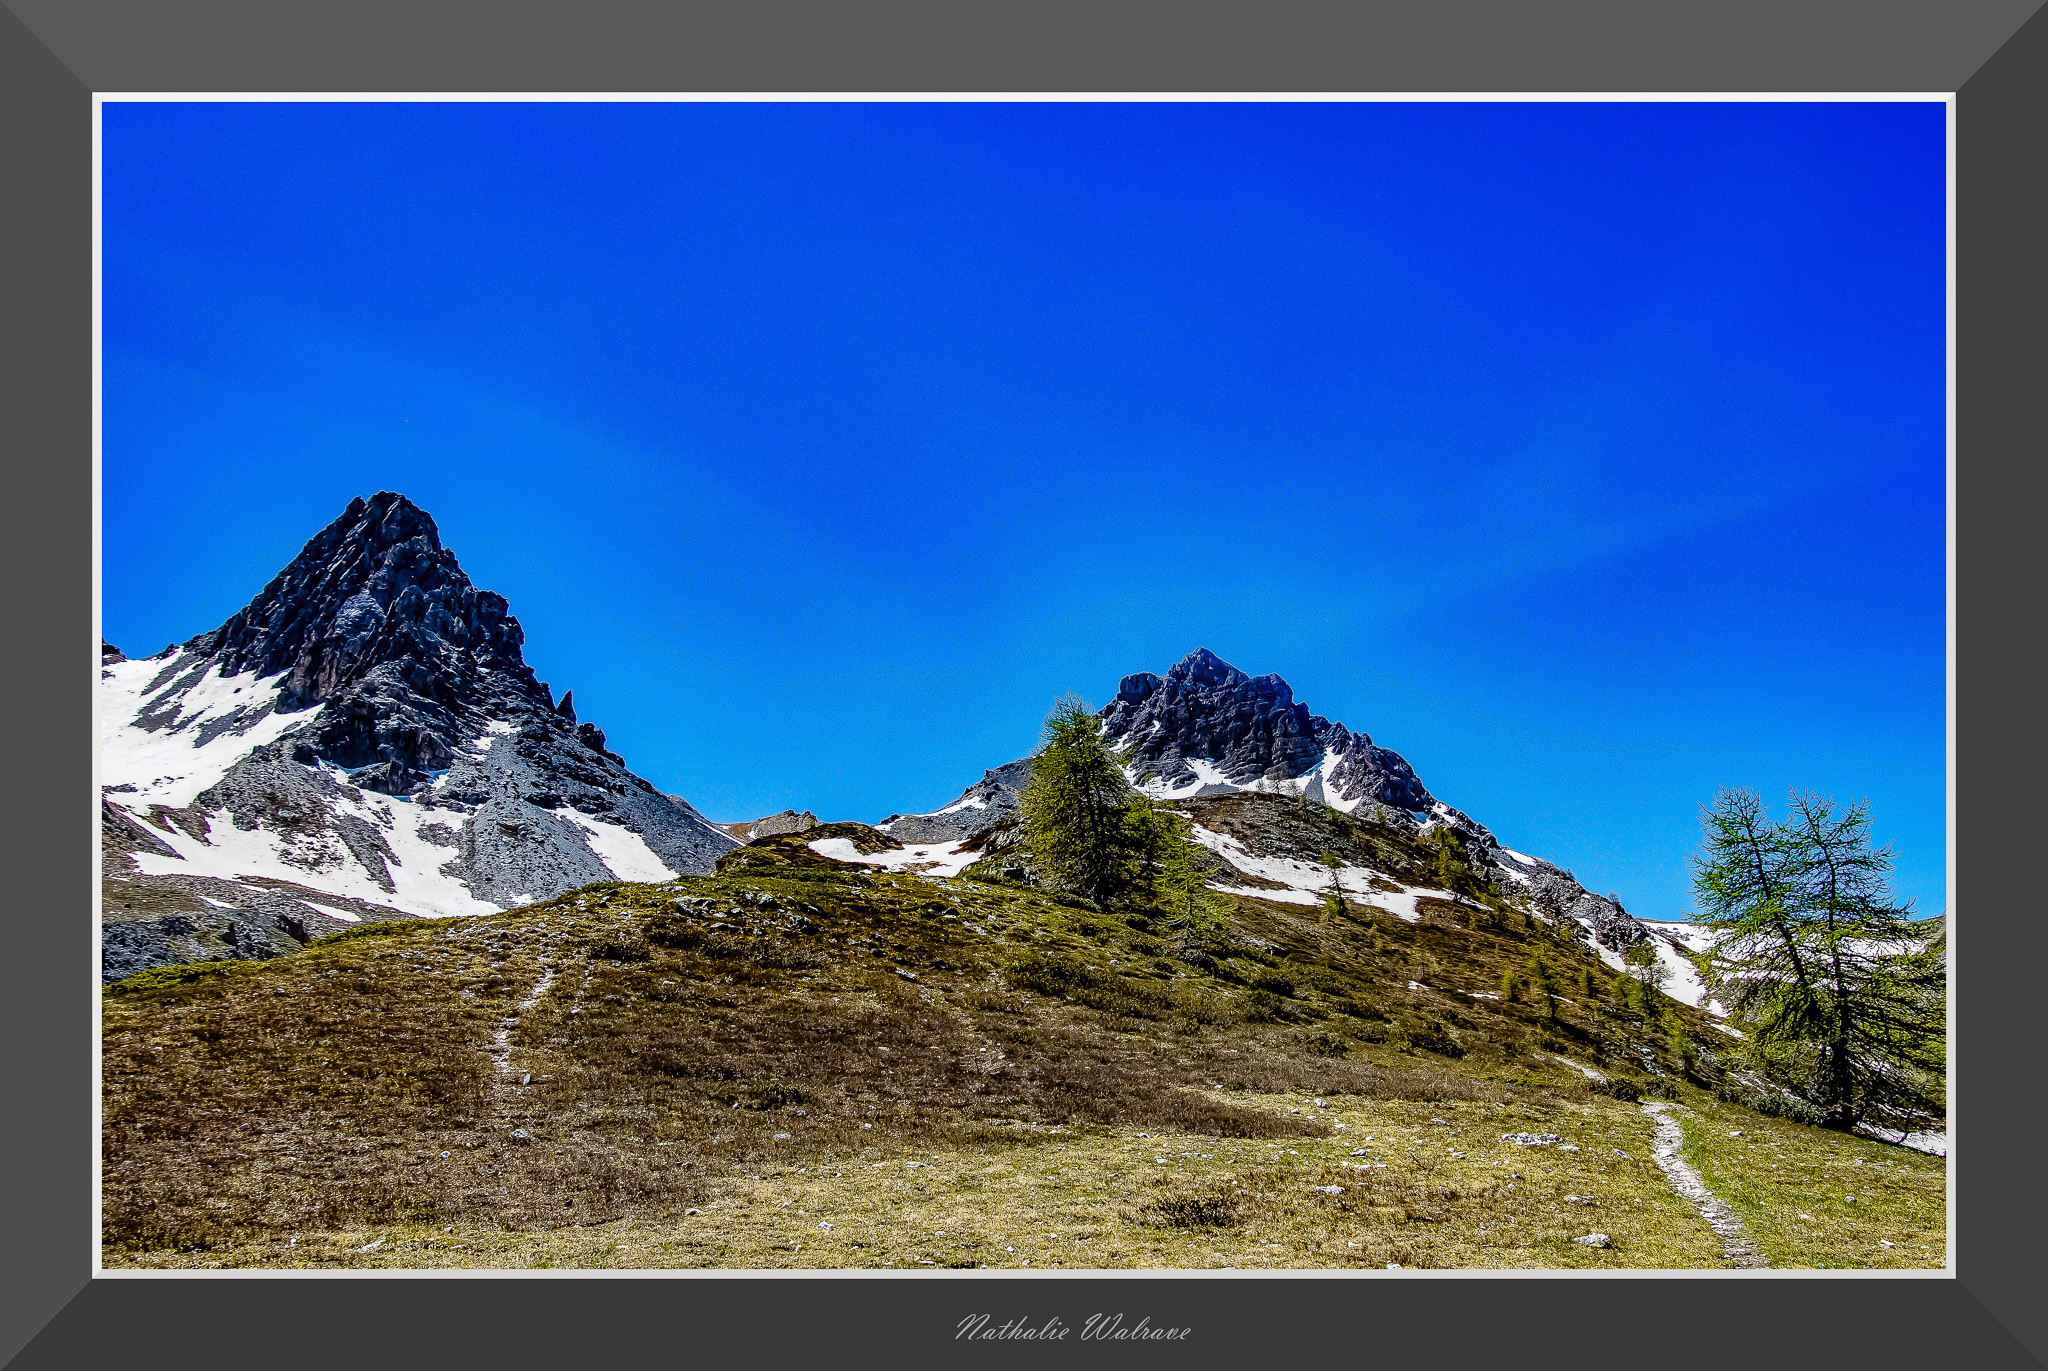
(706, 1072)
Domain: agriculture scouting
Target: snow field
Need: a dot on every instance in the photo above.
(164, 766)
(926, 859)
(621, 849)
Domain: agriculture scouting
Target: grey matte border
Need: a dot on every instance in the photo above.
(54, 53)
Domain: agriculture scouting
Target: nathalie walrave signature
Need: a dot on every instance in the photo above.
(1095, 1328)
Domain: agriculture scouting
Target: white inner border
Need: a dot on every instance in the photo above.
(101, 98)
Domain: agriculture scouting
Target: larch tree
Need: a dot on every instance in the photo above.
(1819, 962)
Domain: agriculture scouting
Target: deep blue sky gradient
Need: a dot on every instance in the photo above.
(1590, 456)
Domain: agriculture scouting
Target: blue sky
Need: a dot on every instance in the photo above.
(1590, 456)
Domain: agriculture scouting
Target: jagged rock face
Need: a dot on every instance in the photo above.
(1364, 774)
(1249, 727)
(375, 620)
(368, 728)
(788, 821)
(1612, 926)
(1208, 728)
(988, 802)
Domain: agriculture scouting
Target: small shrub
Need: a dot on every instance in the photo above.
(618, 950)
(759, 1095)
(666, 930)
(1192, 1211)
(1049, 975)
(1662, 1088)
(1324, 1045)
(1275, 985)
(1433, 1035)
(1615, 1087)
(1263, 1006)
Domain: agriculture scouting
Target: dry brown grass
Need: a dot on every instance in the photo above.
(1436, 1188)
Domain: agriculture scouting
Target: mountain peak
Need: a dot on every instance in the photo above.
(1203, 667)
(374, 588)
(367, 726)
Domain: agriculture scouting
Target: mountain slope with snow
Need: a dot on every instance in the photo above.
(364, 730)
(1207, 729)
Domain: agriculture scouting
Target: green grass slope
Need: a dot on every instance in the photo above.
(797, 1061)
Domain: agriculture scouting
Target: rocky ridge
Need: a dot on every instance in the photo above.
(1207, 729)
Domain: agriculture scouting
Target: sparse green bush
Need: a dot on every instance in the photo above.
(1431, 1034)
(666, 930)
(1049, 975)
(1215, 1210)
(1324, 1044)
(1615, 1087)
(618, 950)
(1275, 985)
(1263, 1006)
(184, 974)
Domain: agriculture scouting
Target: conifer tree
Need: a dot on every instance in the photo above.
(1192, 912)
(1817, 960)
(1543, 983)
(1333, 894)
(1087, 830)
(1646, 976)
(1677, 1041)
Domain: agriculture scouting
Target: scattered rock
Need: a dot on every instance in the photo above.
(1595, 1240)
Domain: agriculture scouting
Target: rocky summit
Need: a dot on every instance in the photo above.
(362, 741)
(1207, 728)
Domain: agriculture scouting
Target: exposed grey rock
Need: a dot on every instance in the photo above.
(788, 821)
(982, 806)
(1612, 926)
(1250, 728)
(1365, 773)
(131, 945)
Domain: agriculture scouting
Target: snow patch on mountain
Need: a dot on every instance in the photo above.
(319, 860)
(1307, 882)
(171, 728)
(621, 849)
(924, 859)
